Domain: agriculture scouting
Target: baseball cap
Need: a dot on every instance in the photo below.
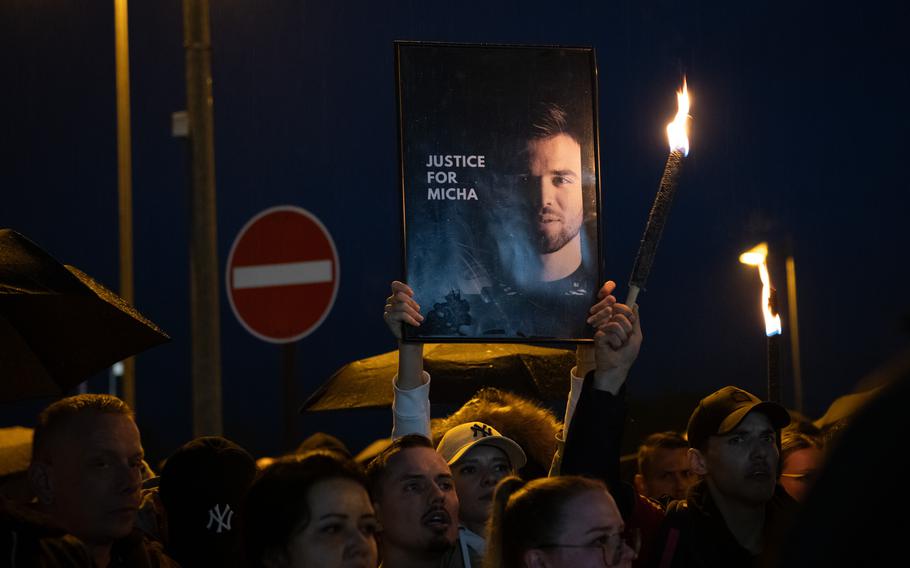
(721, 411)
(203, 485)
(463, 437)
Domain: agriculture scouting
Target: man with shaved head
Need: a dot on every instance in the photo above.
(86, 471)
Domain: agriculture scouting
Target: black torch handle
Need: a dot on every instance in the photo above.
(773, 352)
(774, 368)
(657, 219)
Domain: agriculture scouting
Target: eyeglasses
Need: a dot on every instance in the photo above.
(807, 477)
(612, 546)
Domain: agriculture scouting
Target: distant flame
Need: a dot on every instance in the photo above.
(758, 256)
(676, 130)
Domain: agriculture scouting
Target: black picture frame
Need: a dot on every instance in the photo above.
(500, 184)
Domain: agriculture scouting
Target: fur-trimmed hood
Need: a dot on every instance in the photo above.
(532, 426)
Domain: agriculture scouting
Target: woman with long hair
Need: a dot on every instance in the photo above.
(556, 522)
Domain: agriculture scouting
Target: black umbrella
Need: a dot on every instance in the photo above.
(458, 371)
(58, 326)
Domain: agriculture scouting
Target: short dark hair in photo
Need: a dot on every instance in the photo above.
(550, 119)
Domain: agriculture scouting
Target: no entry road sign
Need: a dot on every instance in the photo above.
(282, 274)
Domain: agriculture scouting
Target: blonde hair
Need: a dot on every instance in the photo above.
(527, 515)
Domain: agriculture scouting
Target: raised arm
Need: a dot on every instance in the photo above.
(411, 386)
(593, 441)
(617, 342)
(609, 356)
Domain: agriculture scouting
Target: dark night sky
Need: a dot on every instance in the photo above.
(798, 138)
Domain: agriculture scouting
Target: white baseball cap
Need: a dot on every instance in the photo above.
(465, 436)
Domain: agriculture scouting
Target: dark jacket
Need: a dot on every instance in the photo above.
(137, 551)
(593, 448)
(695, 534)
(30, 539)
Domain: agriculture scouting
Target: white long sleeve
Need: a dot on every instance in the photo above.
(411, 409)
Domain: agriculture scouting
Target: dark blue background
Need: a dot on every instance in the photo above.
(799, 136)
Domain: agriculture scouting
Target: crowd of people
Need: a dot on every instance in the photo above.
(500, 483)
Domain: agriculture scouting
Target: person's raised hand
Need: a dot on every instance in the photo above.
(616, 346)
(600, 312)
(598, 316)
(400, 308)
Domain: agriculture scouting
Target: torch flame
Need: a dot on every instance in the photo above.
(676, 130)
(757, 256)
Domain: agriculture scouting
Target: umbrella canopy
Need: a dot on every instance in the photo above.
(458, 370)
(15, 449)
(58, 326)
(845, 407)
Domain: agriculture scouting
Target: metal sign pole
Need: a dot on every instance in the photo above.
(205, 321)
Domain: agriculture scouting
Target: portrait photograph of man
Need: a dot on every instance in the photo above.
(501, 190)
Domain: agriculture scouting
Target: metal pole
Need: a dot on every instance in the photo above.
(794, 334)
(205, 323)
(124, 178)
(288, 356)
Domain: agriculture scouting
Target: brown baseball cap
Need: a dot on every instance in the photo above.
(721, 411)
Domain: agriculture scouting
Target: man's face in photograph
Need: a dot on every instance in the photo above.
(554, 166)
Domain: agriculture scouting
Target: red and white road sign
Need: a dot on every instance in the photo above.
(282, 274)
